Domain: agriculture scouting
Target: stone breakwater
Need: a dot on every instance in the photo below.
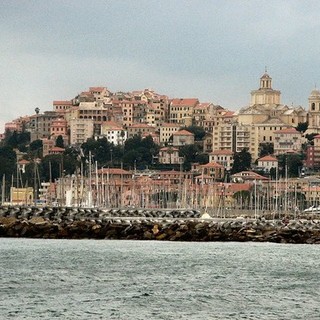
(15, 223)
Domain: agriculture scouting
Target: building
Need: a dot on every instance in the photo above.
(40, 124)
(80, 130)
(288, 140)
(21, 196)
(62, 106)
(266, 113)
(235, 137)
(113, 132)
(59, 127)
(169, 155)
(182, 138)
(223, 157)
(181, 111)
(166, 131)
(314, 112)
(140, 130)
(214, 170)
(266, 163)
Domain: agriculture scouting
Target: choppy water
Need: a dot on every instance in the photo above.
(89, 279)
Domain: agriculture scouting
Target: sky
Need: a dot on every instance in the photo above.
(213, 50)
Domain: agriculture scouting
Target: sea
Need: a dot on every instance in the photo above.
(110, 279)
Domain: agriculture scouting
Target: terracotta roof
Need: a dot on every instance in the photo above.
(249, 175)
(23, 161)
(185, 102)
(62, 102)
(183, 133)
(268, 158)
(212, 165)
(288, 131)
(228, 114)
(96, 89)
(111, 125)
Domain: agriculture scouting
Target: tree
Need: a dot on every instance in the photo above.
(302, 127)
(290, 162)
(242, 161)
(35, 148)
(198, 132)
(8, 161)
(265, 148)
(190, 153)
(60, 142)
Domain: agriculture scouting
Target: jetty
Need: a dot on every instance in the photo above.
(148, 224)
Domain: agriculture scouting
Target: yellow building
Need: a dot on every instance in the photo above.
(21, 196)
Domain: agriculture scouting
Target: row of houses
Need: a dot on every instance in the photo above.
(118, 116)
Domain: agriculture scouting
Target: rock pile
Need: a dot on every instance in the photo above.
(301, 231)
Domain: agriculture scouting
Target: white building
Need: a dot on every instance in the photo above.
(113, 132)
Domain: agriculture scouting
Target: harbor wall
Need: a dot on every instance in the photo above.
(162, 229)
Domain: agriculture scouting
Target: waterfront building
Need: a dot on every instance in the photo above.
(21, 196)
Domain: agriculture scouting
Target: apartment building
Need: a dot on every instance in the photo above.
(223, 157)
(140, 129)
(62, 106)
(59, 127)
(235, 137)
(288, 140)
(181, 111)
(167, 130)
(80, 130)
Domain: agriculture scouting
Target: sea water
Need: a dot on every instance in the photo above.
(103, 279)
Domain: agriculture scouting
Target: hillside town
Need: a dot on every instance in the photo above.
(145, 150)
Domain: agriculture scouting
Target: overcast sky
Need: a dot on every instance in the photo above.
(212, 50)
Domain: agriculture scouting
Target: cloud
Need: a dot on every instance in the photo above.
(213, 50)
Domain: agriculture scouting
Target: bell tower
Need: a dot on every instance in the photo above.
(265, 95)
(314, 109)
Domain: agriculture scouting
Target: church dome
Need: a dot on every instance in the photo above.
(315, 93)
